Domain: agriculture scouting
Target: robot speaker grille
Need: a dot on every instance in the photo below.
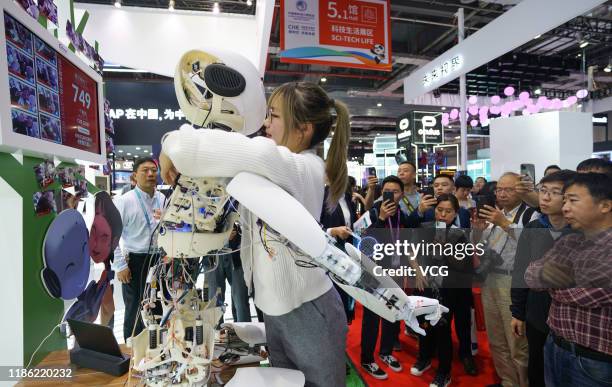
(224, 80)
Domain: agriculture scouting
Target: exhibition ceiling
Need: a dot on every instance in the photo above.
(555, 62)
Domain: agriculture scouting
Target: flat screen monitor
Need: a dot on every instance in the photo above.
(50, 100)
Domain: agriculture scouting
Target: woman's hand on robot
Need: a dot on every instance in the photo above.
(168, 170)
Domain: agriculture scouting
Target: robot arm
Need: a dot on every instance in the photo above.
(353, 271)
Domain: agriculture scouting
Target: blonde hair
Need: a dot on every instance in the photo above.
(307, 103)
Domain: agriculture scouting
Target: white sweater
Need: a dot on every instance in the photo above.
(280, 285)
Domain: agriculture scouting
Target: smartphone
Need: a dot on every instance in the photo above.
(387, 196)
(528, 170)
(482, 200)
(428, 191)
(372, 171)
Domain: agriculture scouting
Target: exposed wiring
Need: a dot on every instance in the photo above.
(41, 344)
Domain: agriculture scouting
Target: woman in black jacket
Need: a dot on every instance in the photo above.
(453, 290)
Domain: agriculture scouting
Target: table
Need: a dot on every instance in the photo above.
(89, 377)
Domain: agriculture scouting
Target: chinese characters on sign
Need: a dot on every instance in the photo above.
(343, 33)
(149, 114)
(442, 71)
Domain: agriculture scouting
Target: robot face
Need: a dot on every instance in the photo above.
(66, 256)
(217, 88)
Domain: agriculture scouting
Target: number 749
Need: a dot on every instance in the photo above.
(82, 96)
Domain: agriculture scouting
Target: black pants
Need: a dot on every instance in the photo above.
(438, 338)
(536, 340)
(369, 334)
(460, 301)
(133, 291)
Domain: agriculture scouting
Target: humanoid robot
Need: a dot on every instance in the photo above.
(223, 90)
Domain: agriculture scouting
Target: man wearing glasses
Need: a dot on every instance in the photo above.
(140, 211)
(500, 228)
(530, 306)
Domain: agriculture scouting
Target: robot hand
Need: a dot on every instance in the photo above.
(418, 306)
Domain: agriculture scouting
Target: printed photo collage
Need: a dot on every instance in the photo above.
(109, 127)
(33, 83)
(45, 7)
(51, 199)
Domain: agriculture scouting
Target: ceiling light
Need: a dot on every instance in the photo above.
(137, 148)
(120, 151)
(537, 36)
(450, 126)
(578, 56)
(136, 156)
(379, 104)
(249, 3)
(580, 106)
(458, 138)
(323, 79)
(129, 154)
(145, 151)
(537, 91)
(608, 68)
(118, 3)
(583, 44)
(171, 5)
(216, 9)
(360, 141)
(378, 134)
(443, 107)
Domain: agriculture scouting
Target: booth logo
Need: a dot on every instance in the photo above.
(404, 124)
(428, 121)
(429, 132)
(301, 5)
(404, 134)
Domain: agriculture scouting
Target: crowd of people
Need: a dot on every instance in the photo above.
(547, 249)
(547, 299)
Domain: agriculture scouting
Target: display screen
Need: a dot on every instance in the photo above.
(51, 98)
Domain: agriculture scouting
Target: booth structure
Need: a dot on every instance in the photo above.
(152, 40)
(561, 138)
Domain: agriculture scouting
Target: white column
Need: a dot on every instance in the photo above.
(462, 99)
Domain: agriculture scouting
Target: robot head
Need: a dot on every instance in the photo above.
(66, 256)
(217, 88)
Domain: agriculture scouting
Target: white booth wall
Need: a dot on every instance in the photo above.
(562, 138)
(155, 39)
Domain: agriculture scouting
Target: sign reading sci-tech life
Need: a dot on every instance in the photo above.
(419, 128)
(340, 33)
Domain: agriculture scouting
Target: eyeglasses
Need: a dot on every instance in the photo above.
(148, 170)
(544, 192)
(506, 190)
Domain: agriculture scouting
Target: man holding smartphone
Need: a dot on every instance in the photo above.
(442, 184)
(384, 215)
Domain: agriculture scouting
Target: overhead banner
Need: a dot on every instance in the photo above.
(340, 33)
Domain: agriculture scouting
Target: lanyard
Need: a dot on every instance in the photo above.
(144, 209)
(395, 236)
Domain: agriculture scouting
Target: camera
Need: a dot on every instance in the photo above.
(488, 261)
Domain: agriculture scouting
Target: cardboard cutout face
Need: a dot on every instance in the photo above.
(66, 256)
(106, 228)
